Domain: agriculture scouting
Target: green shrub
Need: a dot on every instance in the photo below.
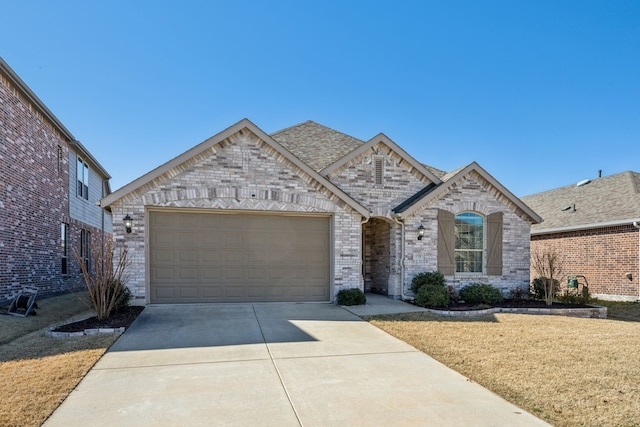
(481, 293)
(584, 297)
(432, 296)
(123, 297)
(537, 287)
(427, 278)
(352, 296)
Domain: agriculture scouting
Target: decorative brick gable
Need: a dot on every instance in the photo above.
(399, 180)
(471, 193)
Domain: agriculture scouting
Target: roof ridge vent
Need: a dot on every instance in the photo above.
(583, 182)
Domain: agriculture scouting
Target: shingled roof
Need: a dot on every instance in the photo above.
(316, 145)
(610, 200)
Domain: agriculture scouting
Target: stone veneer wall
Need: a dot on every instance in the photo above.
(603, 255)
(471, 193)
(240, 173)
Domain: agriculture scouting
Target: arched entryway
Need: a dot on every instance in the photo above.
(377, 255)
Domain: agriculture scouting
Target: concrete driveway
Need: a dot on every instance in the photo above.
(277, 364)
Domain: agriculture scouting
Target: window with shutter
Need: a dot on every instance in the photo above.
(469, 242)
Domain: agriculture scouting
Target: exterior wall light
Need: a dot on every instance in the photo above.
(420, 232)
(128, 223)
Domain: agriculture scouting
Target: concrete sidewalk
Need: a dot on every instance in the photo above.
(274, 365)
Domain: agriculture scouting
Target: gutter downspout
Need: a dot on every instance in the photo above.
(637, 225)
(398, 220)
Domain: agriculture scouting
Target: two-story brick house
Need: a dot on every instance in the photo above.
(307, 211)
(49, 186)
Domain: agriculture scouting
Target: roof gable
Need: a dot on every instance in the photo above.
(380, 138)
(217, 139)
(431, 193)
(603, 201)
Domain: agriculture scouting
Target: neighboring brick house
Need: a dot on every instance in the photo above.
(307, 211)
(49, 186)
(595, 227)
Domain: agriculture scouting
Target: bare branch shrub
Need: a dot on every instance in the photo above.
(549, 265)
(104, 275)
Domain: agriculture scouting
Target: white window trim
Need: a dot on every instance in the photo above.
(482, 273)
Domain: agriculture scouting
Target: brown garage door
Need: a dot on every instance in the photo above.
(219, 257)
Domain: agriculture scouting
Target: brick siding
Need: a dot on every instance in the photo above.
(602, 255)
(34, 199)
(471, 193)
(241, 173)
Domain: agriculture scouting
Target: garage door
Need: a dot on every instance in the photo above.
(216, 257)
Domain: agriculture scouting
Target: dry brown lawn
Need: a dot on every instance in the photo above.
(570, 372)
(38, 372)
(567, 371)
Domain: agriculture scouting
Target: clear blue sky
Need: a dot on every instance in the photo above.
(541, 93)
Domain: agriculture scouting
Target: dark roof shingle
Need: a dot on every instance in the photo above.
(316, 145)
(608, 199)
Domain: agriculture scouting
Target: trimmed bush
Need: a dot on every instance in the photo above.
(432, 296)
(481, 293)
(434, 278)
(353, 296)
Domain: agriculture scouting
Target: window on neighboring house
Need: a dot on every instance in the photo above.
(82, 173)
(378, 171)
(59, 159)
(64, 239)
(85, 246)
(469, 242)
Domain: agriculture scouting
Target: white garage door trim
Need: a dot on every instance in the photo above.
(204, 255)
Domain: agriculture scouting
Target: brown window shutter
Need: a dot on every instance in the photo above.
(494, 244)
(446, 232)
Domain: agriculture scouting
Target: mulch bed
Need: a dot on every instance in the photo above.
(508, 303)
(123, 317)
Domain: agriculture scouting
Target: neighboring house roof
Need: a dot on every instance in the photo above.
(216, 139)
(607, 201)
(17, 82)
(316, 145)
(431, 193)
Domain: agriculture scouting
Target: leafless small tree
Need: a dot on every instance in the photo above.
(105, 275)
(549, 265)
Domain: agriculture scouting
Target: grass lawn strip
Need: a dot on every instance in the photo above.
(568, 371)
(38, 372)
